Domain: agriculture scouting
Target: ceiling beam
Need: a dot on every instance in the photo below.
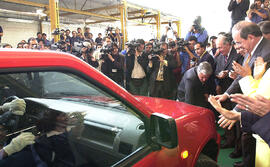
(95, 9)
(133, 12)
(28, 3)
(129, 19)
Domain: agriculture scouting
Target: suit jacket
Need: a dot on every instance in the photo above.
(254, 124)
(261, 51)
(191, 90)
(211, 81)
(222, 66)
(209, 58)
(142, 60)
(168, 75)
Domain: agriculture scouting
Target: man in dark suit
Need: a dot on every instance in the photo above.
(247, 36)
(192, 88)
(203, 55)
(162, 82)
(224, 61)
(136, 70)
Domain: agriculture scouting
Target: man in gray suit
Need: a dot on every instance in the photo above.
(247, 36)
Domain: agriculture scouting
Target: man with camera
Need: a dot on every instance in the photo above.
(187, 53)
(239, 10)
(256, 13)
(113, 64)
(174, 51)
(162, 81)
(87, 54)
(136, 69)
(198, 31)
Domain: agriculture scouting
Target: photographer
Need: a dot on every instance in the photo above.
(256, 13)
(162, 82)
(198, 31)
(113, 64)
(136, 69)
(148, 49)
(168, 36)
(187, 53)
(173, 48)
(239, 10)
(87, 54)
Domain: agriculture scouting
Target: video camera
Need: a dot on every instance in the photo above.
(56, 31)
(105, 51)
(197, 24)
(77, 49)
(156, 48)
(60, 45)
(132, 45)
(181, 43)
(253, 6)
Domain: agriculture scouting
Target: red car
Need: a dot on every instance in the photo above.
(118, 129)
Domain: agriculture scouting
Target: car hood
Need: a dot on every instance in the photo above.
(171, 108)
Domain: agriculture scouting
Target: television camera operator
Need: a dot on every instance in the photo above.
(113, 63)
(198, 31)
(87, 54)
(136, 68)
(187, 53)
(256, 14)
(174, 50)
(162, 81)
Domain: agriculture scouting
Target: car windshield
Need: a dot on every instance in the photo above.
(56, 85)
(52, 84)
(102, 128)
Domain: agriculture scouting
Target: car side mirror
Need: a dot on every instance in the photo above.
(163, 130)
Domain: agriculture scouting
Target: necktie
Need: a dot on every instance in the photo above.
(248, 59)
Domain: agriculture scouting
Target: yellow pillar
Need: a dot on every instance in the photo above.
(178, 24)
(124, 22)
(54, 15)
(158, 23)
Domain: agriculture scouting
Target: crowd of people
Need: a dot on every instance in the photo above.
(198, 70)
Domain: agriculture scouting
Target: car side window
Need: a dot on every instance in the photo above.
(109, 129)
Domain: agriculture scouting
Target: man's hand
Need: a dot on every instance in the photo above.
(110, 57)
(19, 142)
(233, 75)
(241, 70)
(259, 68)
(222, 74)
(16, 106)
(221, 98)
(228, 114)
(258, 105)
(224, 123)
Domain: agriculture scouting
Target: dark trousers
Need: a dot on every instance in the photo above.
(160, 90)
(238, 141)
(248, 149)
(138, 87)
(230, 135)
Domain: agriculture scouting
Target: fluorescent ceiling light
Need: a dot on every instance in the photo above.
(19, 20)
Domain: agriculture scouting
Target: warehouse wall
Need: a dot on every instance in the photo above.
(14, 32)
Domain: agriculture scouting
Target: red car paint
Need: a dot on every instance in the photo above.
(195, 125)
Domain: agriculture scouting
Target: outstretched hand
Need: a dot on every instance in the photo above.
(228, 114)
(259, 68)
(241, 70)
(258, 105)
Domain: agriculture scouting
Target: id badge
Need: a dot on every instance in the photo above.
(114, 70)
